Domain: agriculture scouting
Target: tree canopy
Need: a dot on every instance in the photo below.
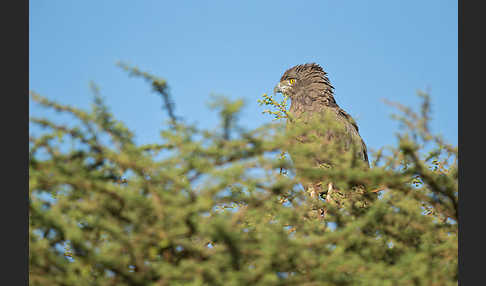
(222, 206)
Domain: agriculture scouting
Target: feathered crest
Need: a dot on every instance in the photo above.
(309, 67)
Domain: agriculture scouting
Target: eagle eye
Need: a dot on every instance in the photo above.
(291, 81)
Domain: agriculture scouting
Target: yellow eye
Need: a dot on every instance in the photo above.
(291, 81)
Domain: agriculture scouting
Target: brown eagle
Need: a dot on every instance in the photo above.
(312, 98)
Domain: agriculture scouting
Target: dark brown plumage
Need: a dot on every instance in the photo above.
(311, 96)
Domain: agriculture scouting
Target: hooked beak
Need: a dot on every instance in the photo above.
(278, 88)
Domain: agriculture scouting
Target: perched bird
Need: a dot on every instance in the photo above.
(312, 98)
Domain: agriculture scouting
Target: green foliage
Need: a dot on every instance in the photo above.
(280, 106)
(206, 208)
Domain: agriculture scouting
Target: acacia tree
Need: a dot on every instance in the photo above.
(215, 207)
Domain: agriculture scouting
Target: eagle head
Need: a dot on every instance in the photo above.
(303, 77)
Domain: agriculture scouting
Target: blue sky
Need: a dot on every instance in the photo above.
(372, 50)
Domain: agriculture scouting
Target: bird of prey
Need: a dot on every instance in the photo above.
(312, 98)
